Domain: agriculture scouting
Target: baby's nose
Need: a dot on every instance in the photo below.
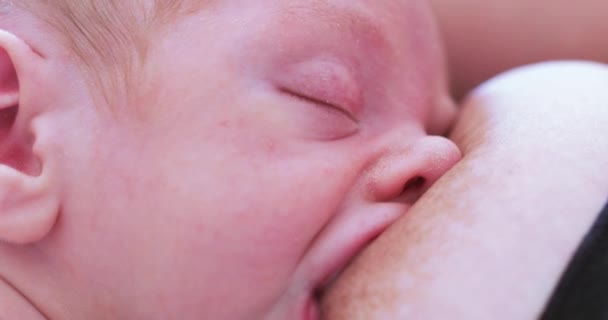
(404, 175)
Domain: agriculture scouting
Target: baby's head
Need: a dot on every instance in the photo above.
(208, 159)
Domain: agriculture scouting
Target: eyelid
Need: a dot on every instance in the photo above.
(326, 82)
(329, 104)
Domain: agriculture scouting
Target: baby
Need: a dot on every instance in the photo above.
(207, 159)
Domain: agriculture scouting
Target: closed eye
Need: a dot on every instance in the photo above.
(318, 102)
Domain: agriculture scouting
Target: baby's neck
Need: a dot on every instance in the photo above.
(14, 305)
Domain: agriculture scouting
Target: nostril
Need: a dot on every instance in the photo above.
(416, 183)
(413, 190)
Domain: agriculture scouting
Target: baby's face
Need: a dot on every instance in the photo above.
(270, 142)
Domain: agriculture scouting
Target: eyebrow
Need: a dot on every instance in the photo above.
(360, 24)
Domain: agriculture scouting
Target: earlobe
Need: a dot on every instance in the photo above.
(28, 210)
(28, 207)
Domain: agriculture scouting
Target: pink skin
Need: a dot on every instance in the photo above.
(268, 143)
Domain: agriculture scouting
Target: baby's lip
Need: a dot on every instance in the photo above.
(342, 241)
(312, 310)
(325, 285)
(336, 246)
(332, 274)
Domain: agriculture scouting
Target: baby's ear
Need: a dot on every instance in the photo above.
(28, 204)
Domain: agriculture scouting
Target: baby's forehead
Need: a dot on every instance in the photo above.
(110, 38)
(382, 39)
(377, 25)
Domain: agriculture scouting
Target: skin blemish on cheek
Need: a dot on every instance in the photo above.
(271, 146)
(224, 123)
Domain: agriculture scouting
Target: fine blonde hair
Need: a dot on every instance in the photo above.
(110, 38)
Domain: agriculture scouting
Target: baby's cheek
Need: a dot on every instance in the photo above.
(291, 207)
(271, 196)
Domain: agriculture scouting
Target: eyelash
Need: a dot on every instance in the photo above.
(319, 102)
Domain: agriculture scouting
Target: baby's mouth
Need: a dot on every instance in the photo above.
(314, 310)
(319, 293)
(321, 290)
(335, 248)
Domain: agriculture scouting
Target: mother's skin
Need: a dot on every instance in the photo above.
(490, 240)
(484, 37)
